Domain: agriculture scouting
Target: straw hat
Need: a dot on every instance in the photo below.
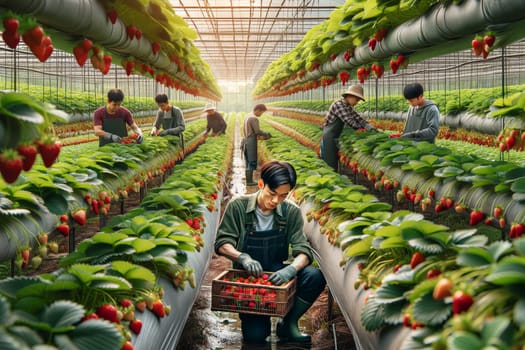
(209, 107)
(355, 90)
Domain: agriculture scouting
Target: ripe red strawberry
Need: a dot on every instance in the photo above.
(461, 302)
(86, 44)
(108, 312)
(476, 217)
(49, 151)
(489, 40)
(63, 229)
(11, 39)
(406, 320)
(155, 47)
(112, 16)
(91, 316)
(477, 45)
(394, 66)
(135, 326)
(131, 30)
(11, 24)
(516, 230)
(94, 206)
(380, 34)
(127, 346)
(417, 258)
(10, 165)
(442, 289)
(372, 43)
(158, 308)
(433, 273)
(64, 218)
(81, 55)
(33, 37)
(28, 153)
(129, 67)
(125, 303)
(80, 217)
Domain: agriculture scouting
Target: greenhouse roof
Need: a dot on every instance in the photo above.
(240, 38)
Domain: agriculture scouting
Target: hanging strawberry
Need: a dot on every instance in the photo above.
(394, 66)
(155, 47)
(344, 76)
(112, 16)
(372, 43)
(28, 153)
(348, 54)
(10, 165)
(10, 34)
(378, 70)
(477, 45)
(380, 34)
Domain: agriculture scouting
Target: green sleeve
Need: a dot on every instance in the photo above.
(231, 228)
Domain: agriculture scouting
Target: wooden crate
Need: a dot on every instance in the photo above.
(230, 294)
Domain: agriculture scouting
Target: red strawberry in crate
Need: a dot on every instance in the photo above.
(28, 153)
(10, 165)
(49, 151)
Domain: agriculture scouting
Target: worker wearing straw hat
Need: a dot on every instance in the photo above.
(341, 113)
(215, 121)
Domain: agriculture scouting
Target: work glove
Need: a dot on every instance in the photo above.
(140, 138)
(252, 266)
(153, 131)
(113, 137)
(283, 275)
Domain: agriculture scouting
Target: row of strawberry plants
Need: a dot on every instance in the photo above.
(379, 158)
(85, 181)
(478, 101)
(116, 272)
(456, 289)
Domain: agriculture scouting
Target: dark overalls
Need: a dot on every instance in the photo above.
(113, 125)
(270, 248)
(329, 146)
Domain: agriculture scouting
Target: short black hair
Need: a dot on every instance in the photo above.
(115, 95)
(413, 91)
(260, 107)
(275, 173)
(161, 98)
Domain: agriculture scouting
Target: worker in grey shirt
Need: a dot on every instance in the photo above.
(422, 122)
(169, 117)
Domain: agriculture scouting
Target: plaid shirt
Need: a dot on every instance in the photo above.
(340, 109)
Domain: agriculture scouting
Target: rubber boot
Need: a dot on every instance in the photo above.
(249, 178)
(287, 328)
(255, 329)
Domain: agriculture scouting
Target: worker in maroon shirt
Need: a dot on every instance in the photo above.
(111, 120)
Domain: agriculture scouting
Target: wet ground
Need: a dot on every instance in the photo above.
(213, 330)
